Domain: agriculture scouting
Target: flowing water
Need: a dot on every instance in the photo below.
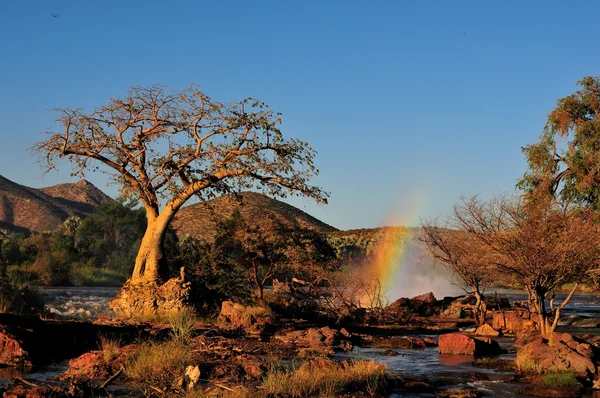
(85, 303)
(80, 303)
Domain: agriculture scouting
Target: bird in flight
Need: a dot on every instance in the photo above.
(54, 15)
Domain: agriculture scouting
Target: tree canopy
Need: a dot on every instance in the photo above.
(566, 159)
(163, 147)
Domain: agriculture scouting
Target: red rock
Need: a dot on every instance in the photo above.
(512, 321)
(461, 344)
(11, 351)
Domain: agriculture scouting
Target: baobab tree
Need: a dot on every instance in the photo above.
(164, 147)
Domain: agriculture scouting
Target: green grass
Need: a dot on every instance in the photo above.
(561, 380)
(182, 324)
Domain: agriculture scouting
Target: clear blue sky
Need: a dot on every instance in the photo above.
(402, 96)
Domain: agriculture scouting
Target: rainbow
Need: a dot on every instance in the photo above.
(392, 258)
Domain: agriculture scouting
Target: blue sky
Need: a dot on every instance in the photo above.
(432, 97)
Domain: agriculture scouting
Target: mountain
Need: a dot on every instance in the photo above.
(201, 220)
(82, 195)
(28, 209)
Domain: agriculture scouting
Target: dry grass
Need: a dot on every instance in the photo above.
(526, 364)
(326, 378)
(158, 365)
(110, 347)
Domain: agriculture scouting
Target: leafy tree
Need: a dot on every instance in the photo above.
(566, 159)
(157, 143)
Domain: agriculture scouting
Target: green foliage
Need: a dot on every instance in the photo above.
(561, 380)
(111, 236)
(566, 159)
(99, 250)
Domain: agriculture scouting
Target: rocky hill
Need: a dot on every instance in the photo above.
(28, 209)
(201, 220)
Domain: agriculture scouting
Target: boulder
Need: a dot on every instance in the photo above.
(487, 330)
(461, 344)
(11, 351)
(562, 353)
(512, 321)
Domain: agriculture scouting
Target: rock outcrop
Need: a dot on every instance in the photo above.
(561, 353)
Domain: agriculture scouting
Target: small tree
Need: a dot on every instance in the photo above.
(157, 144)
(542, 244)
(464, 256)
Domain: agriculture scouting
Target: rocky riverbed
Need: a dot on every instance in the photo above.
(65, 357)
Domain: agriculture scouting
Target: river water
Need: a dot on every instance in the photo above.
(85, 303)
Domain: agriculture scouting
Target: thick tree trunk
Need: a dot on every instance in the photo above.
(149, 263)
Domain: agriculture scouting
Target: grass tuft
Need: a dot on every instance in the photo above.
(110, 347)
(561, 380)
(526, 364)
(158, 365)
(182, 324)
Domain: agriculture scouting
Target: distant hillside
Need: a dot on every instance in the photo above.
(23, 208)
(201, 220)
(82, 194)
